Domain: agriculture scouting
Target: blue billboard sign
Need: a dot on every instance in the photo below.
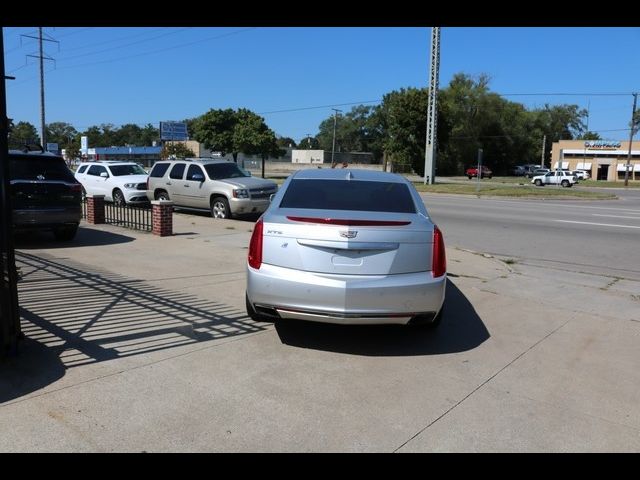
(173, 131)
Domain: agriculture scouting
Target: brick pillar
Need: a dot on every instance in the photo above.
(95, 209)
(162, 217)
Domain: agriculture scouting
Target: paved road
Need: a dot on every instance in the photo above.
(583, 236)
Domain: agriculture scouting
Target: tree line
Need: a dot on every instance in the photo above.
(470, 117)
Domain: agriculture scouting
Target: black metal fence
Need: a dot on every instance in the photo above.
(128, 216)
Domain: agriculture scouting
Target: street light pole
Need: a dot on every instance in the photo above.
(333, 148)
(633, 117)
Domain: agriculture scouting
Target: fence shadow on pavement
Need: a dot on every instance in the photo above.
(461, 329)
(86, 237)
(74, 315)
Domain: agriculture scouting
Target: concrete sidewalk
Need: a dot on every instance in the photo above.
(140, 343)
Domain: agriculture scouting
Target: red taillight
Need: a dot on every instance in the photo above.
(350, 223)
(438, 260)
(255, 246)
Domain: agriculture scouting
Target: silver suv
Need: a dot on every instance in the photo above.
(219, 186)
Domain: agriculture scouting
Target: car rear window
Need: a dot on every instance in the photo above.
(40, 168)
(349, 195)
(159, 169)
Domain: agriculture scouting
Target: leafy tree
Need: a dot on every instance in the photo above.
(286, 142)
(61, 133)
(252, 136)
(589, 136)
(148, 135)
(215, 130)
(176, 150)
(21, 133)
(94, 136)
(309, 143)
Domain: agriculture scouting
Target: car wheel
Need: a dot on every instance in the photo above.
(118, 198)
(538, 183)
(253, 315)
(162, 195)
(424, 322)
(469, 176)
(220, 208)
(565, 183)
(65, 233)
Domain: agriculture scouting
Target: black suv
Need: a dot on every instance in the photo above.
(44, 194)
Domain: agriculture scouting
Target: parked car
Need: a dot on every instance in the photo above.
(581, 174)
(348, 247)
(119, 182)
(519, 170)
(473, 172)
(219, 186)
(538, 171)
(559, 177)
(44, 194)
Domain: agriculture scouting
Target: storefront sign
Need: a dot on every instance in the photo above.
(601, 144)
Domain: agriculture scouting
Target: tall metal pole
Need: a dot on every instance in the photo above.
(333, 148)
(43, 133)
(633, 117)
(432, 109)
(544, 141)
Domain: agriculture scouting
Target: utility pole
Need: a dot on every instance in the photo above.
(42, 58)
(544, 141)
(333, 148)
(308, 141)
(633, 117)
(432, 109)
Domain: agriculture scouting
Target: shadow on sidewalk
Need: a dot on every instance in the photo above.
(461, 329)
(86, 237)
(73, 315)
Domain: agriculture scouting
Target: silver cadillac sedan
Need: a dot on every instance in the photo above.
(346, 246)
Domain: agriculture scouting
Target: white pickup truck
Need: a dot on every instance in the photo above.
(559, 177)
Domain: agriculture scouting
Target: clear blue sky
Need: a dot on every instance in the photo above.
(147, 75)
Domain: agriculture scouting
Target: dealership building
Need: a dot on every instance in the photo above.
(603, 159)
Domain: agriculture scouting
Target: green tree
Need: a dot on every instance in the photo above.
(589, 135)
(355, 132)
(215, 130)
(22, 133)
(61, 133)
(148, 135)
(252, 136)
(309, 143)
(286, 142)
(176, 150)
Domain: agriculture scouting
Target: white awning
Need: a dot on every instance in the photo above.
(583, 166)
(636, 167)
(622, 167)
(565, 165)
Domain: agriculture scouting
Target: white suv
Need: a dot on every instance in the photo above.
(119, 182)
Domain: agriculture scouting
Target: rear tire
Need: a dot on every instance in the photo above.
(538, 183)
(162, 195)
(252, 313)
(422, 322)
(63, 234)
(565, 183)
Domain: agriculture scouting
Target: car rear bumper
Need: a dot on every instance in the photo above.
(345, 299)
(46, 218)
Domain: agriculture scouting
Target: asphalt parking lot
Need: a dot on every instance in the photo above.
(141, 343)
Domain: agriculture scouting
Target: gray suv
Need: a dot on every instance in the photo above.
(219, 186)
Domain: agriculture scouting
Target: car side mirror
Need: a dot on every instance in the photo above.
(198, 177)
(104, 174)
